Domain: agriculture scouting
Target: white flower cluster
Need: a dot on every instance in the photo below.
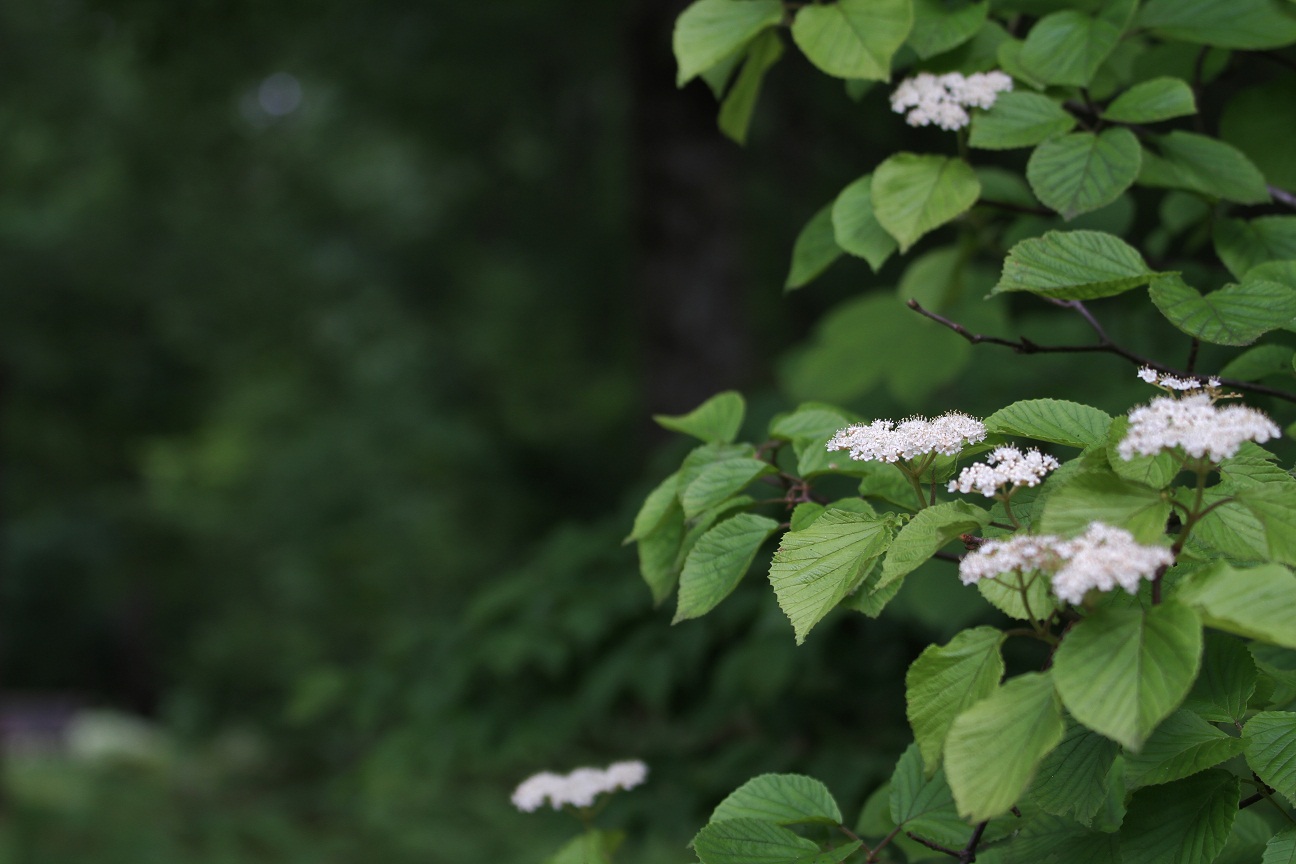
(943, 100)
(1101, 558)
(1171, 382)
(887, 441)
(579, 788)
(1006, 465)
(1194, 423)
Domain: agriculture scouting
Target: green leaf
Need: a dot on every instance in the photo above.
(925, 535)
(1181, 746)
(945, 680)
(994, 747)
(815, 568)
(1154, 471)
(1073, 265)
(1152, 101)
(1274, 506)
(914, 194)
(1203, 164)
(1281, 848)
(1257, 602)
(1272, 751)
(939, 26)
(737, 107)
(658, 550)
(1246, 24)
(783, 799)
(1081, 172)
(719, 481)
(1226, 681)
(1121, 671)
(853, 38)
(718, 561)
(1018, 118)
(832, 856)
(750, 841)
(1246, 244)
(855, 227)
(709, 31)
(1233, 315)
(1260, 362)
(1073, 778)
(655, 508)
(809, 420)
(924, 805)
(1006, 596)
(1054, 420)
(716, 420)
(1056, 840)
(1247, 840)
(1067, 48)
(592, 847)
(1188, 820)
(1102, 497)
(814, 250)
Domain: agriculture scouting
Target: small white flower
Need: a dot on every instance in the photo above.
(1021, 553)
(885, 441)
(1196, 425)
(579, 788)
(1003, 467)
(931, 100)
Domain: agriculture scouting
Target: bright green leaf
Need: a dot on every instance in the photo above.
(1054, 420)
(709, 31)
(1203, 164)
(945, 680)
(926, 534)
(1185, 821)
(1067, 48)
(716, 420)
(814, 250)
(1272, 750)
(658, 551)
(1246, 24)
(815, 568)
(750, 841)
(1121, 671)
(1073, 265)
(914, 194)
(720, 481)
(939, 26)
(1018, 118)
(1256, 602)
(1245, 244)
(856, 229)
(655, 507)
(853, 38)
(1005, 594)
(1181, 746)
(809, 420)
(1233, 315)
(1081, 172)
(737, 108)
(718, 561)
(783, 799)
(1152, 101)
(994, 747)
(1155, 471)
(1274, 505)
(1102, 497)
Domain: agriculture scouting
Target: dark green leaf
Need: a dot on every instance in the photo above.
(736, 110)
(1247, 24)
(1281, 849)
(853, 38)
(718, 561)
(1203, 164)
(1244, 244)
(939, 26)
(1260, 362)
(1188, 820)
(1272, 750)
(750, 841)
(1226, 681)
(1152, 101)
(1067, 48)
(1181, 746)
(719, 481)
(784, 799)
(1072, 780)
(1233, 315)
(1081, 172)
(1073, 265)
(1018, 119)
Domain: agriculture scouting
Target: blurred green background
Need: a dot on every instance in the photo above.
(330, 336)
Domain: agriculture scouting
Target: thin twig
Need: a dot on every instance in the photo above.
(1282, 196)
(930, 845)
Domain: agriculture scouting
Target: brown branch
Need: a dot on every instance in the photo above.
(1103, 346)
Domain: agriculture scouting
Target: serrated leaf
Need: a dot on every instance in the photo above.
(783, 799)
(1256, 602)
(655, 507)
(1274, 506)
(1018, 118)
(1072, 779)
(1057, 840)
(1181, 746)
(1226, 681)
(915, 194)
(815, 568)
(1005, 594)
(739, 104)
(1154, 471)
(1102, 497)
(1121, 671)
(924, 805)
(853, 38)
(719, 481)
(1246, 24)
(939, 26)
(945, 680)
(994, 747)
(1152, 101)
(658, 550)
(1245, 244)
(856, 229)
(925, 535)
(1203, 164)
(1233, 315)
(750, 841)
(1188, 820)
(831, 856)
(1081, 172)
(1073, 265)
(1281, 848)
(718, 561)
(1054, 420)
(1067, 48)
(716, 420)
(814, 250)
(709, 31)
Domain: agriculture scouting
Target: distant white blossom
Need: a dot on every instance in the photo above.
(887, 441)
(943, 100)
(579, 788)
(1006, 466)
(1102, 558)
(1195, 424)
(1174, 383)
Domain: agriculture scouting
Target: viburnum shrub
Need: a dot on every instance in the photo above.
(1148, 554)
